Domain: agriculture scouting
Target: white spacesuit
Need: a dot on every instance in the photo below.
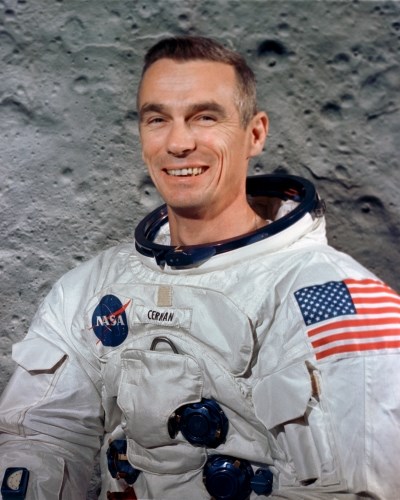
(211, 370)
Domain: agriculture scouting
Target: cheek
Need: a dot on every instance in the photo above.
(151, 144)
(232, 142)
(220, 145)
(232, 152)
(149, 153)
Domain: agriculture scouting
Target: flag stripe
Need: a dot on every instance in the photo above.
(351, 323)
(347, 348)
(366, 281)
(380, 310)
(368, 290)
(376, 300)
(363, 334)
(376, 288)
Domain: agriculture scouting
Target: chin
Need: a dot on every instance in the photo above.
(187, 209)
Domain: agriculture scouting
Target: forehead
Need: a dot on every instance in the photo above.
(167, 79)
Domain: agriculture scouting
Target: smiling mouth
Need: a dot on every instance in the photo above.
(186, 172)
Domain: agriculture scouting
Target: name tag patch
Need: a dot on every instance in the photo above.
(180, 318)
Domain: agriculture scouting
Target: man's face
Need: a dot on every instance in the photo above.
(192, 141)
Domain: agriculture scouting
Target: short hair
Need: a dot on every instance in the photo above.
(189, 48)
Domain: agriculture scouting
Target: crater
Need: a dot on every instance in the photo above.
(271, 47)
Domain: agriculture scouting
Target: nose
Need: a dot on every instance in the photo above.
(180, 141)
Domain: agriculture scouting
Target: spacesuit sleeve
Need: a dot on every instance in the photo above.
(50, 411)
(332, 407)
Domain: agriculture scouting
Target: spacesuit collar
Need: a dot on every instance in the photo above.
(265, 193)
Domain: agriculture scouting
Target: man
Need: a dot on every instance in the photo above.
(232, 353)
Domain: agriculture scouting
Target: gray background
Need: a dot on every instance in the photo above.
(72, 178)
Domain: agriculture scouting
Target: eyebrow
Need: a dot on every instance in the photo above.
(192, 109)
(151, 108)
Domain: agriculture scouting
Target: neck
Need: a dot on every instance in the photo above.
(187, 230)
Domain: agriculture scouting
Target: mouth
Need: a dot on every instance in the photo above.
(185, 172)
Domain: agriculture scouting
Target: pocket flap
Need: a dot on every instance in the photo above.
(153, 385)
(283, 396)
(37, 355)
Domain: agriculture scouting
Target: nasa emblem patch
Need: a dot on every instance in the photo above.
(109, 321)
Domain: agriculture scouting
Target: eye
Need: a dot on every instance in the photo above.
(206, 119)
(154, 120)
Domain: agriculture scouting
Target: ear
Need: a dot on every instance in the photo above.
(259, 130)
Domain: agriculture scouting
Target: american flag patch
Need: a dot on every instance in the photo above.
(350, 317)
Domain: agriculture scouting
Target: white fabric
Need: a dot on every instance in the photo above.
(327, 429)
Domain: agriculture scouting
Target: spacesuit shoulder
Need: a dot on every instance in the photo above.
(99, 269)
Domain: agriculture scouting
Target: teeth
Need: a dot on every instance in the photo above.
(186, 171)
